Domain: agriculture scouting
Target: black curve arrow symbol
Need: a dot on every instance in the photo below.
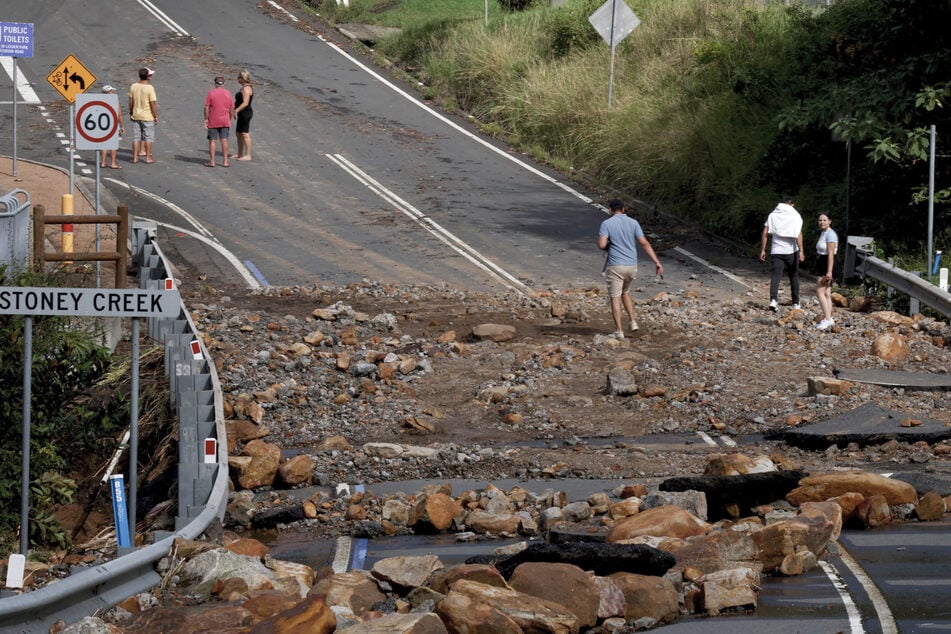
(76, 79)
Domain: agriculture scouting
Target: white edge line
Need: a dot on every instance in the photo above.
(455, 125)
(885, 617)
(187, 217)
(283, 10)
(855, 619)
(432, 227)
(713, 267)
(217, 246)
(503, 153)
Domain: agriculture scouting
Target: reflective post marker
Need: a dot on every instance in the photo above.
(121, 517)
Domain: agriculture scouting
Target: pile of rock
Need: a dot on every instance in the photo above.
(632, 559)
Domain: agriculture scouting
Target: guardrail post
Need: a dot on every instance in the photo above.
(852, 247)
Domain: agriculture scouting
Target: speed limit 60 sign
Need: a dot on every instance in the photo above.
(97, 122)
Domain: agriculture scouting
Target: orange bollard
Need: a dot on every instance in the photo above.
(68, 228)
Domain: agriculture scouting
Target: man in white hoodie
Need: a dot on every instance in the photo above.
(784, 224)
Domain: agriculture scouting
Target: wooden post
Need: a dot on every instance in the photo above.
(122, 241)
(39, 237)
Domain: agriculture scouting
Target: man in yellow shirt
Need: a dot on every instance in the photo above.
(144, 113)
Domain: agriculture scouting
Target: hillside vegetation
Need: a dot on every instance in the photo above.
(718, 106)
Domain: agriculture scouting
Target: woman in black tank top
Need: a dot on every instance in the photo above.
(243, 113)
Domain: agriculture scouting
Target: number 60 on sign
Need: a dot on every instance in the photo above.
(97, 122)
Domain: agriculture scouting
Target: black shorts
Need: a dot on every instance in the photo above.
(821, 266)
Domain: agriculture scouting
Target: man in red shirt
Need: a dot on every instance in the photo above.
(219, 109)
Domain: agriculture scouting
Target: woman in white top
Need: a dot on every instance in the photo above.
(826, 249)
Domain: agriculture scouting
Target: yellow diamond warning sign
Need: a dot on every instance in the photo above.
(71, 78)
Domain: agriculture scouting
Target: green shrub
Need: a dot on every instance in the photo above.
(65, 362)
(515, 5)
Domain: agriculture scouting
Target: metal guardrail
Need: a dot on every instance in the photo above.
(860, 261)
(203, 488)
(15, 228)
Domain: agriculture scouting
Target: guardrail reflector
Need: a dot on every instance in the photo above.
(16, 565)
(211, 451)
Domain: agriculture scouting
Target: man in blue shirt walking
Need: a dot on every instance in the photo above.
(619, 236)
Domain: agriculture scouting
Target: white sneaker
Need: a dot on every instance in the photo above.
(797, 306)
(618, 335)
(773, 305)
(633, 327)
(825, 324)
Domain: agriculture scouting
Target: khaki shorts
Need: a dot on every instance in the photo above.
(619, 279)
(143, 130)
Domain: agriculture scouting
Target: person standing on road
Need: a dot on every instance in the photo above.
(143, 110)
(619, 235)
(826, 249)
(242, 114)
(107, 154)
(784, 224)
(218, 112)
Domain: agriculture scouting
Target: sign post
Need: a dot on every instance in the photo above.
(97, 128)
(613, 21)
(16, 40)
(70, 78)
(82, 302)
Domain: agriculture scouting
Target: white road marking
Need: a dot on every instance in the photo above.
(503, 153)
(200, 233)
(455, 243)
(341, 560)
(453, 124)
(162, 17)
(283, 10)
(23, 86)
(245, 274)
(705, 437)
(885, 617)
(712, 267)
(729, 442)
(190, 219)
(855, 619)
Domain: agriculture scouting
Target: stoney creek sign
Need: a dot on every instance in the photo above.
(90, 302)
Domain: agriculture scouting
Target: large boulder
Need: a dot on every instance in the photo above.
(532, 614)
(818, 488)
(663, 521)
(576, 590)
(647, 596)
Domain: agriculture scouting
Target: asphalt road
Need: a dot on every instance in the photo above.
(354, 178)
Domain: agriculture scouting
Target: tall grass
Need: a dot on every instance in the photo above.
(693, 120)
(681, 128)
